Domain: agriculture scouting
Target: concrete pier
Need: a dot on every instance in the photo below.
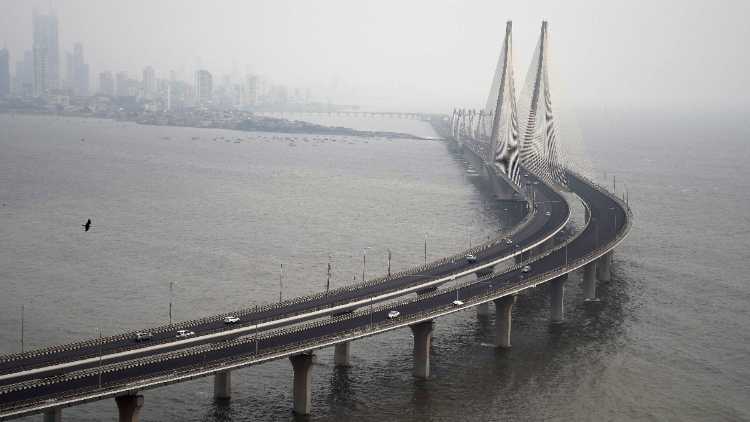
(483, 310)
(422, 341)
(589, 281)
(603, 267)
(302, 390)
(223, 385)
(503, 308)
(129, 407)
(52, 415)
(342, 354)
(557, 298)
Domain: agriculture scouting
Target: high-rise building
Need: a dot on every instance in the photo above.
(24, 78)
(46, 54)
(106, 84)
(4, 73)
(203, 86)
(149, 82)
(251, 91)
(80, 80)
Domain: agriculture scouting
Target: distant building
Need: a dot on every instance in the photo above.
(24, 78)
(203, 86)
(250, 99)
(46, 54)
(106, 84)
(149, 82)
(80, 72)
(4, 73)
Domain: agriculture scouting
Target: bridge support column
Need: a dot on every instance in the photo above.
(223, 385)
(503, 308)
(302, 391)
(129, 407)
(589, 281)
(603, 267)
(53, 415)
(422, 340)
(342, 354)
(483, 310)
(557, 298)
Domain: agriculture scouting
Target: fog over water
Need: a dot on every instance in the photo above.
(667, 342)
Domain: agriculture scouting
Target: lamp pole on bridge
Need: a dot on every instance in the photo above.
(281, 281)
(425, 248)
(364, 262)
(170, 302)
(22, 312)
(389, 262)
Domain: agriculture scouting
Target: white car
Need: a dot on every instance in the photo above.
(525, 269)
(143, 336)
(547, 213)
(509, 241)
(185, 333)
(393, 314)
(471, 258)
(458, 303)
(230, 319)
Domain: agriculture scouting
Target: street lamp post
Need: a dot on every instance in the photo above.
(170, 302)
(281, 281)
(22, 312)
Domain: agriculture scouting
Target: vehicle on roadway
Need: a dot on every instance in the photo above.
(547, 213)
(525, 269)
(143, 336)
(470, 258)
(185, 333)
(393, 314)
(458, 302)
(230, 319)
(508, 241)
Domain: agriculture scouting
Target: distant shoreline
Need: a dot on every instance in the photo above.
(251, 123)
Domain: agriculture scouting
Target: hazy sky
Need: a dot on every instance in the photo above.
(425, 55)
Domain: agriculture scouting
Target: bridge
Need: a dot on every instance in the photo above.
(516, 147)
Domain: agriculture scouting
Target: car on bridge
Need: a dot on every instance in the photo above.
(230, 319)
(393, 314)
(458, 302)
(471, 258)
(185, 333)
(525, 269)
(143, 336)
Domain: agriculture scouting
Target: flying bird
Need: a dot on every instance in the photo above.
(87, 226)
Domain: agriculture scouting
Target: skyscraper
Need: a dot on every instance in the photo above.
(46, 54)
(4, 73)
(24, 79)
(149, 82)
(203, 86)
(106, 84)
(80, 80)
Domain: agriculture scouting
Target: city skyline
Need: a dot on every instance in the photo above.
(393, 53)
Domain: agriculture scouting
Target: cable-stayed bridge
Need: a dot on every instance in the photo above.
(516, 144)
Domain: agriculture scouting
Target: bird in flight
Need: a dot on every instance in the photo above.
(87, 226)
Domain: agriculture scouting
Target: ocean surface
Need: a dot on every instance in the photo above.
(218, 212)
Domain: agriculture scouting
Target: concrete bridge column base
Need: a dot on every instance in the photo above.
(52, 415)
(589, 281)
(422, 341)
(603, 267)
(342, 354)
(302, 390)
(483, 309)
(557, 298)
(129, 407)
(503, 308)
(223, 385)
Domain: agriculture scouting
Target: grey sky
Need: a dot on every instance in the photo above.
(426, 55)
